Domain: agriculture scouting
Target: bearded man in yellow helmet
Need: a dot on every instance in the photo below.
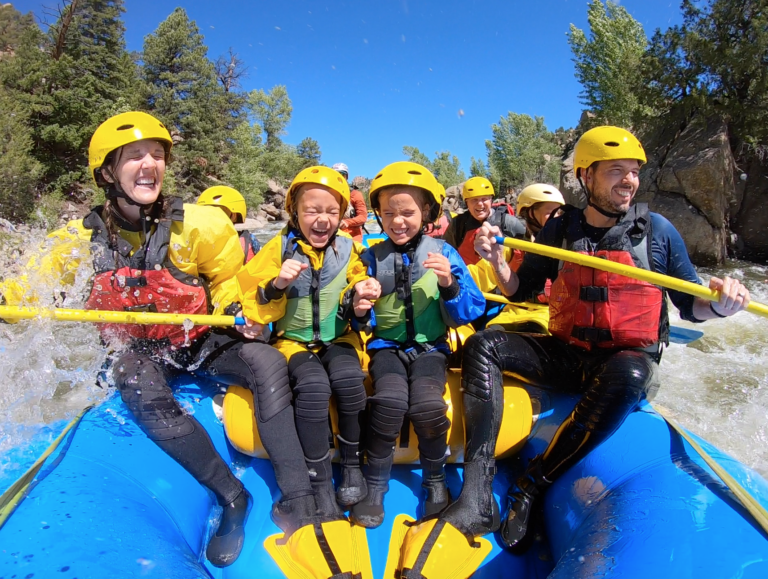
(232, 203)
(478, 195)
(609, 356)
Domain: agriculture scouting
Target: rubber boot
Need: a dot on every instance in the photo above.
(353, 488)
(369, 512)
(476, 511)
(291, 513)
(226, 544)
(521, 503)
(321, 478)
(433, 482)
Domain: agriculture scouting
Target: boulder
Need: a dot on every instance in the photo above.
(453, 200)
(750, 221)
(570, 186)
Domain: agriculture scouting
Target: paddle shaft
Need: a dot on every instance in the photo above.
(665, 281)
(114, 317)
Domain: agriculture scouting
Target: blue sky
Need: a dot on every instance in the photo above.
(368, 77)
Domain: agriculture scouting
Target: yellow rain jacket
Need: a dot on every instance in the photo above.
(204, 245)
(483, 274)
(285, 311)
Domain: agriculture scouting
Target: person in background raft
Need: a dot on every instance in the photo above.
(232, 203)
(478, 195)
(439, 227)
(353, 225)
(535, 205)
(610, 357)
(155, 253)
(425, 287)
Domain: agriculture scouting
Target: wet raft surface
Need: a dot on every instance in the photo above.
(109, 503)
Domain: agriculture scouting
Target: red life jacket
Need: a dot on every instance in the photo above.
(249, 245)
(499, 218)
(437, 230)
(591, 308)
(505, 206)
(146, 281)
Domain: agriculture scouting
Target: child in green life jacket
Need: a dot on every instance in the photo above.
(306, 282)
(425, 287)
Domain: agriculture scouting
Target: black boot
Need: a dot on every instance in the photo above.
(476, 511)
(370, 511)
(433, 482)
(521, 495)
(293, 512)
(321, 478)
(226, 544)
(353, 488)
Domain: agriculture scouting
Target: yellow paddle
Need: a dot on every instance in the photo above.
(666, 281)
(105, 316)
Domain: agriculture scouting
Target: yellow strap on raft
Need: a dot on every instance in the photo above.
(111, 317)
(322, 550)
(449, 555)
(13, 496)
(755, 509)
(666, 281)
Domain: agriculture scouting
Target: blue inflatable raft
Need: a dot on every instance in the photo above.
(108, 503)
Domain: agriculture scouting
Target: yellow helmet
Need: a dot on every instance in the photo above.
(476, 187)
(538, 193)
(408, 174)
(606, 144)
(121, 130)
(319, 176)
(226, 197)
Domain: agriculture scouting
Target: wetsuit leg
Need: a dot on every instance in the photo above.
(486, 355)
(264, 371)
(615, 384)
(346, 377)
(428, 413)
(388, 407)
(312, 393)
(143, 386)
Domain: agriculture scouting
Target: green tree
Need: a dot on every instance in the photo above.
(445, 167)
(244, 171)
(272, 111)
(715, 63)
(522, 151)
(19, 171)
(309, 150)
(12, 25)
(608, 63)
(181, 89)
(477, 168)
(70, 80)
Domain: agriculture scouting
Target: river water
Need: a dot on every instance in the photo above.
(717, 386)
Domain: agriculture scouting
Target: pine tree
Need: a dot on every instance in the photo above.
(12, 25)
(70, 80)
(182, 90)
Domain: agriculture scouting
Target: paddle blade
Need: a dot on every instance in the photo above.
(678, 335)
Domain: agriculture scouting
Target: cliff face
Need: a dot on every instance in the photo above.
(690, 178)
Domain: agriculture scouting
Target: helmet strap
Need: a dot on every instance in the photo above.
(598, 209)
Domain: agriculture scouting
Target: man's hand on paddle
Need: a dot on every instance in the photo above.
(488, 248)
(734, 297)
(251, 330)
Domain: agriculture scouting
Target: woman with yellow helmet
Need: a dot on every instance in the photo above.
(155, 253)
(308, 282)
(478, 195)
